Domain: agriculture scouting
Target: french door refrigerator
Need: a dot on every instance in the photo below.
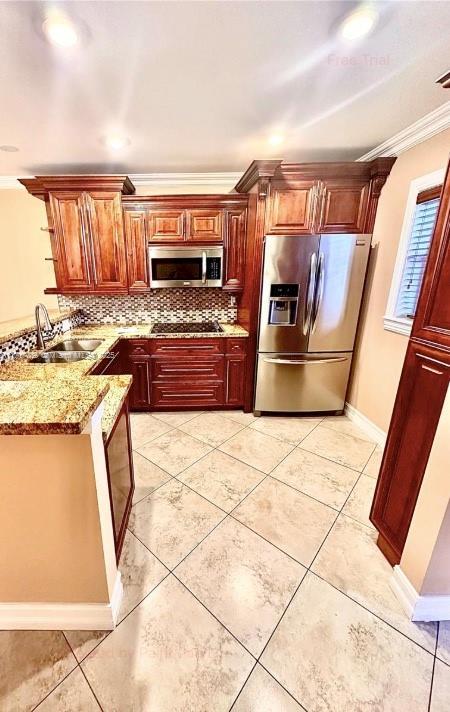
(310, 301)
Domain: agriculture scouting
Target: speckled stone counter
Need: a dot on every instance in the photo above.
(59, 398)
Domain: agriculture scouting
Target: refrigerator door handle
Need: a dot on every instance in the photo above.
(310, 293)
(305, 362)
(319, 293)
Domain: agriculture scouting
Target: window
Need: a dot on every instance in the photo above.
(417, 232)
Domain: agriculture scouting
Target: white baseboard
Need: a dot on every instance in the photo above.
(419, 608)
(373, 431)
(63, 616)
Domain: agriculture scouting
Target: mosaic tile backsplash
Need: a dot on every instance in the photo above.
(159, 305)
(20, 345)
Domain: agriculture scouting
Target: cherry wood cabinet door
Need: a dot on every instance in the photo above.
(136, 246)
(119, 462)
(205, 225)
(420, 397)
(140, 390)
(186, 395)
(343, 205)
(235, 250)
(108, 244)
(166, 225)
(72, 268)
(432, 321)
(292, 210)
(235, 376)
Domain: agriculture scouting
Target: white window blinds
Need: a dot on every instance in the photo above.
(416, 257)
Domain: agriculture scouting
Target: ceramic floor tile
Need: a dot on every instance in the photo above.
(72, 695)
(257, 450)
(222, 479)
(443, 649)
(83, 642)
(373, 466)
(263, 694)
(176, 418)
(32, 663)
(174, 451)
(344, 449)
(144, 427)
(172, 520)
(147, 476)
(344, 425)
(351, 561)
(239, 416)
(289, 519)
(169, 654)
(244, 581)
(322, 479)
(212, 428)
(141, 572)
(440, 696)
(334, 656)
(360, 501)
(291, 430)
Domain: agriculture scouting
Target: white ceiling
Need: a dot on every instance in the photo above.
(199, 86)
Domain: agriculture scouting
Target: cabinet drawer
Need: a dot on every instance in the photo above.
(187, 347)
(192, 369)
(138, 347)
(236, 346)
(174, 395)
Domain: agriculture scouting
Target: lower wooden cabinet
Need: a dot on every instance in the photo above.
(420, 397)
(119, 464)
(235, 376)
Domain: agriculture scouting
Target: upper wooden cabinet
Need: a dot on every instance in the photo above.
(292, 210)
(342, 205)
(107, 241)
(205, 224)
(235, 250)
(136, 246)
(166, 225)
(70, 242)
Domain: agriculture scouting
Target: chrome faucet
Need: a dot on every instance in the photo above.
(40, 339)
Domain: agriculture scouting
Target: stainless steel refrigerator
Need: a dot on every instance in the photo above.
(310, 301)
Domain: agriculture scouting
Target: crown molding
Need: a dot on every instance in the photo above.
(169, 180)
(421, 130)
(178, 179)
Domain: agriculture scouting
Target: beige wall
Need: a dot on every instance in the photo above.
(23, 272)
(380, 353)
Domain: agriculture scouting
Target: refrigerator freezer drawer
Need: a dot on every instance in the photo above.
(302, 383)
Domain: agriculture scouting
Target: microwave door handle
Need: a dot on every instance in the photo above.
(203, 266)
(320, 287)
(310, 293)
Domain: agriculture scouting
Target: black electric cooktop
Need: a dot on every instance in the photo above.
(186, 327)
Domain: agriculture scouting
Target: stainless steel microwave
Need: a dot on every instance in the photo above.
(185, 267)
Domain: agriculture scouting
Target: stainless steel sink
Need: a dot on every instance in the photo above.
(59, 357)
(76, 345)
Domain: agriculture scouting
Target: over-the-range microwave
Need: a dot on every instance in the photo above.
(185, 266)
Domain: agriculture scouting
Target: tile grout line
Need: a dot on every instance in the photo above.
(90, 686)
(60, 682)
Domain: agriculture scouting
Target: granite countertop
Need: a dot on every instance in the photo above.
(59, 398)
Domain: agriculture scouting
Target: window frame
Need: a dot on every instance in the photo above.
(391, 322)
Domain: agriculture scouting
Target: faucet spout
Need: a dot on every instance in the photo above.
(40, 339)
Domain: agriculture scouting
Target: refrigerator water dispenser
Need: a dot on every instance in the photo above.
(283, 304)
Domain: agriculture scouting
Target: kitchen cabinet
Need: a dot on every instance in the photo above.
(166, 225)
(205, 225)
(136, 248)
(235, 250)
(86, 231)
(318, 206)
(119, 465)
(421, 392)
(136, 361)
(235, 360)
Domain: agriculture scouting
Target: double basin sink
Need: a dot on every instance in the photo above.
(68, 351)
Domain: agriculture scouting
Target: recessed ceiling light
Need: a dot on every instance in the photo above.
(60, 30)
(115, 142)
(276, 139)
(359, 23)
(8, 149)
